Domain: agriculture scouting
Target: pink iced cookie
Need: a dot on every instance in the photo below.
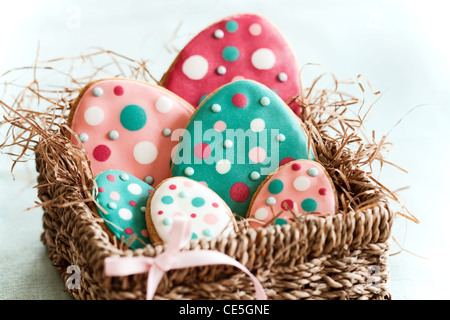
(240, 47)
(301, 186)
(127, 125)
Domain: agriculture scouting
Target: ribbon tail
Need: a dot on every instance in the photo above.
(155, 275)
(198, 258)
(124, 266)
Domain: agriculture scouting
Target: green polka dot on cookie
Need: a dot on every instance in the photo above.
(276, 186)
(194, 236)
(280, 221)
(167, 221)
(232, 26)
(198, 202)
(167, 199)
(207, 232)
(133, 117)
(309, 205)
(230, 53)
(183, 194)
(313, 172)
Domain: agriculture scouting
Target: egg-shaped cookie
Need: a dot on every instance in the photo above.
(299, 187)
(244, 46)
(121, 202)
(127, 125)
(179, 196)
(240, 134)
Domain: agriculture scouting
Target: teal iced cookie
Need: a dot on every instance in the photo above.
(123, 199)
(240, 134)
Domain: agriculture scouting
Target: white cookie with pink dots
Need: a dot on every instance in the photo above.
(179, 196)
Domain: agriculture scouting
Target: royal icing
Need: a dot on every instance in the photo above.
(238, 136)
(299, 187)
(180, 196)
(240, 47)
(122, 200)
(127, 125)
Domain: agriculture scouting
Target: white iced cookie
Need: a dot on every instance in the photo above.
(179, 196)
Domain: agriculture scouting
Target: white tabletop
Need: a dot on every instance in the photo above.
(401, 47)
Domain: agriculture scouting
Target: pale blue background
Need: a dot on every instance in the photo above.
(402, 47)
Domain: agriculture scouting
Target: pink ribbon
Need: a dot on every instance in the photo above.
(172, 258)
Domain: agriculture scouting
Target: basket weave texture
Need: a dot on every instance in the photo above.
(337, 257)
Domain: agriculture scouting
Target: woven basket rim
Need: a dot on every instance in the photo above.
(341, 231)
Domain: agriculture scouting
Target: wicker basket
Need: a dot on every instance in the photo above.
(338, 257)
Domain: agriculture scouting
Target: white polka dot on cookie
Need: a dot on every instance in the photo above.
(263, 59)
(195, 67)
(145, 152)
(94, 116)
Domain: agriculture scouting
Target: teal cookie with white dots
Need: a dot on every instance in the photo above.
(179, 196)
(121, 202)
(239, 135)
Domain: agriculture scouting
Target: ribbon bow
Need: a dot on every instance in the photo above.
(173, 258)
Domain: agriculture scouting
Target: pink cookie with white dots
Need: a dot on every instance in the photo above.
(127, 125)
(179, 196)
(299, 187)
(245, 46)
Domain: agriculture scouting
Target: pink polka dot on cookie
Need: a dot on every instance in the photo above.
(177, 214)
(296, 166)
(114, 195)
(188, 184)
(239, 100)
(323, 191)
(132, 203)
(239, 192)
(202, 150)
(210, 218)
(255, 29)
(287, 204)
(128, 231)
(172, 187)
(111, 178)
(144, 233)
(286, 160)
(101, 153)
(118, 90)
(220, 126)
(257, 154)
(101, 189)
(215, 205)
